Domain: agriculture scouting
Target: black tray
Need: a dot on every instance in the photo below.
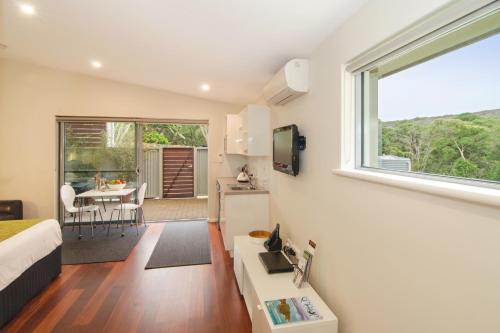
(275, 262)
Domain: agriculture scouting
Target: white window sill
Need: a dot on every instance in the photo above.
(485, 196)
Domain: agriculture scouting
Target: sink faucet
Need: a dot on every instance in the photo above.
(250, 181)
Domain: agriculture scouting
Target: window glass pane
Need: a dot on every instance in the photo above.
(440, 116)
(99, 147)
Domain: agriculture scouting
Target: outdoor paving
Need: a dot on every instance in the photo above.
(159, 210)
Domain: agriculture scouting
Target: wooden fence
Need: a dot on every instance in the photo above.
(176, 172)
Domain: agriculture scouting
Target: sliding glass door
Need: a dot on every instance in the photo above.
(171, 158)
(106, 149)
(97, 148)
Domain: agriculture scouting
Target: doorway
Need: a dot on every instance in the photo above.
(175, 163)
(171, 157)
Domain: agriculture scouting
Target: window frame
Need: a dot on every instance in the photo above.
(355, 87)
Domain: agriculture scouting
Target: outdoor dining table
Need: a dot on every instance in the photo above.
(94, 194)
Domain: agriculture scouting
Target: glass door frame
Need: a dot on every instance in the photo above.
(61, 146)
(139, 162)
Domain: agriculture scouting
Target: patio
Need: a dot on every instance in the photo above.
(175, 209)
(157, 210)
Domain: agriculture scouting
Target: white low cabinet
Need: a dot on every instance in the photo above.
(257, 286)
(242, 213)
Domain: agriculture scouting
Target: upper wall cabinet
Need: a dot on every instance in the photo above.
(233, 143)
(249, 132)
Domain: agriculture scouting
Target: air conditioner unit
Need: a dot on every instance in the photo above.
(289, 83)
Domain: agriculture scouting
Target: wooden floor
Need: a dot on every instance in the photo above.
(124, 297)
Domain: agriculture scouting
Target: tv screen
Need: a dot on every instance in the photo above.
(285, 150)
(283, 147)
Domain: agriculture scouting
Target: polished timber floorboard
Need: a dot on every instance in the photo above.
(124, 297)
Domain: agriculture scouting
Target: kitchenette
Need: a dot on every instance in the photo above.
(243, 207)
(243, 201)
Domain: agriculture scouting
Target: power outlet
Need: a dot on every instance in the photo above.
(289, 243)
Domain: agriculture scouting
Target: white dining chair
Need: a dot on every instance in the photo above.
(132, 208)
(68, 196)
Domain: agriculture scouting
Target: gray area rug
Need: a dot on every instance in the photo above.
(101, 248)
(182, 244)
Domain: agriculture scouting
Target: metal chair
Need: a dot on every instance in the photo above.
(131, 207)
(68, 196)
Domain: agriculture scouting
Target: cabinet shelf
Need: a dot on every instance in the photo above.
(253, 122)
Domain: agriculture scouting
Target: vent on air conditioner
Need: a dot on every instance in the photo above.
(289, 83)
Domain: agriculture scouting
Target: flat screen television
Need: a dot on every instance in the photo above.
(286, 146)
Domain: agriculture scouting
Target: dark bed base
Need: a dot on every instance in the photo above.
(28, 285)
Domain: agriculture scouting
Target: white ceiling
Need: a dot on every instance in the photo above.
(234, 45)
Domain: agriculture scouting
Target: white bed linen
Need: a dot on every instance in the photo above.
(22, 250)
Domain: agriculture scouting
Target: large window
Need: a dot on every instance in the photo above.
(98, 147)
(434, 107)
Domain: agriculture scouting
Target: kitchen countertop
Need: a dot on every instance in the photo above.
(224, 183)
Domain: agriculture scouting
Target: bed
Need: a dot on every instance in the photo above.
(30, 258)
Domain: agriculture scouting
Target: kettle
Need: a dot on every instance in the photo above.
(243, 175)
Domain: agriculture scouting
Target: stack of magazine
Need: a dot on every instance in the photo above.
(303, 269)
(290, 310)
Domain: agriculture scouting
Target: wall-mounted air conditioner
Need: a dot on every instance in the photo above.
(289, 83)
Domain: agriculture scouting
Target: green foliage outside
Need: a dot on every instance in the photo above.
(112, 152)
(114, 158)
(154, 137)
(464, 145)
(176, 134)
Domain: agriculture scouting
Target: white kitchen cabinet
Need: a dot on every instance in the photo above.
(233, 144)
(241, 214)
(249, 132)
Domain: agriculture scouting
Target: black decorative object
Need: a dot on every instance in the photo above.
(11, 210)
(275, 262)
(274, 242)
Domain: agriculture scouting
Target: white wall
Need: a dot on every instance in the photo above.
(30, 98)
(388, 260)
(261, 167)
